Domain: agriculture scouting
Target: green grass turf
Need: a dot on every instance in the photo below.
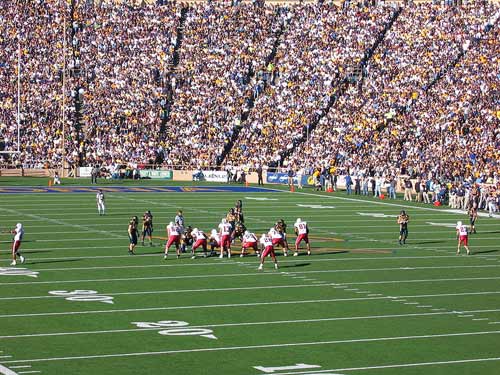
(361, 304)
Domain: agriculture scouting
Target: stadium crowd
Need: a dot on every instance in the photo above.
(410, 110)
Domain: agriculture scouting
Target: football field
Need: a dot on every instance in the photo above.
(360, 304)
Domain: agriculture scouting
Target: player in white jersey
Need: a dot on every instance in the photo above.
(267, 244)
(174, 238)
(302, 231)
(278, 239)
(18, 233)
(101, 207)
(200, 239)
(249, 242)
(462, 237)
(214, 241)
(225, 230)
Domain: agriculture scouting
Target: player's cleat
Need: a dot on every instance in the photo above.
(130, 252)
(22, 258)
(285, 253)
(275, 266)
(468, 253)
(242, 255)
(13, 263)
(221, 256)
(400, 243)
(308, 253)
(193, 257)
(260, 267)
(178, 256)
(296, 254)
(151, 244)
(165, 256)
(229, 254)
(142, 243)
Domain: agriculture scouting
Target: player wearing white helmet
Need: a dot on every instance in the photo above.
(214, 241)
(225, 230)
(18, 233)
(200, 239)
(267, 244)
(302, 231)
(249, 242)
(174, 238)
(462, 237)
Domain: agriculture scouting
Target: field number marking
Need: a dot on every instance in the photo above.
(82, 296)
(177, 328)
(5, 271)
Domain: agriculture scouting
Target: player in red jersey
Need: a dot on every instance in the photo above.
(267, 244)
(302, 231)
(463, 237)
(278, 239)
(225, 230)
(214, 241)
(200, 239)
(174, 238)
(249, 242)
(18, 233)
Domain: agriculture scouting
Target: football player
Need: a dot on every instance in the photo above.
(174, 238)
(249, 242)
(147, 227)
(101, 207)
(267, 244)
(213, 241)
(132, 234)
(18, 233)
(225, 231)
(403, 220)
(201, 240)
(302, 231)
(462, 237)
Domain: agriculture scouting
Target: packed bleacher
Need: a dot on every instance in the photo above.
(221, 83)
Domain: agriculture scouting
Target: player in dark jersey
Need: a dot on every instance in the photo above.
(280, 226)
(239, 230)
(238, 211)
(473, 218)
(132, 234)
(231, 218)
(186, 238)
(147, 227)
(403, 220)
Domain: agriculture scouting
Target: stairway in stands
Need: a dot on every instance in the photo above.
(168, 91)
(340, 87)
(250, 100)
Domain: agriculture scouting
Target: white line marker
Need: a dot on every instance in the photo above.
(21, 366)
(411, 303)
(6, 371)
(29, 372)
(424, 306)
(480, 319)
(5, 356)
(494, 323)
(402, 365)
(251, 347)
(465, 316)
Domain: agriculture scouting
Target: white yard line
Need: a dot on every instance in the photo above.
(323, 283)
(242, 324)
(6, 371)
(400, 365)
(252, 347)
(296, 302)
(296, 272)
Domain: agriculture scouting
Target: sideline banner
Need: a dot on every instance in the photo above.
(215, 176)
(84, 171)
(156, 174)
(282, 178)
